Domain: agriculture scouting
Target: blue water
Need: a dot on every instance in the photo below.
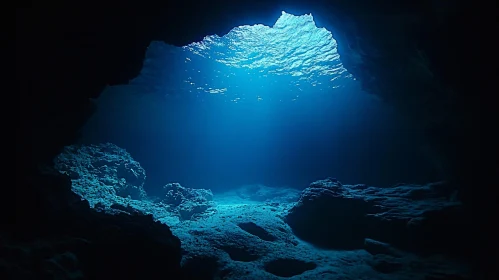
(269, 105)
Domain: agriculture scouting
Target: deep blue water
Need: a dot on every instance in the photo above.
(269, 105)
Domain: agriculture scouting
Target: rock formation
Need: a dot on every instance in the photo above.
(420, 218)
(102, 170)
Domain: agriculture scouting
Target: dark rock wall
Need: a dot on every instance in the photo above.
(56, 235)
(431, 63)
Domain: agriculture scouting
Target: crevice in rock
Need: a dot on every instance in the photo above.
(240, 254)
(288, 267)
(257, 231)
(385, 264)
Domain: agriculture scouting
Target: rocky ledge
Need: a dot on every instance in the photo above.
(66, 239)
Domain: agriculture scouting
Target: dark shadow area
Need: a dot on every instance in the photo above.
(202, 268)
(240, 254)
(288, 267)
(257, 231)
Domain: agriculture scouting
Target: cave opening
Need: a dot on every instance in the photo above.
(270, 105)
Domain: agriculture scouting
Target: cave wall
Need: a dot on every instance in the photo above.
(428, 60)
(431, 59)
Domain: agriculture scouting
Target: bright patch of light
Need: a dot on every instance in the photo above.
(293, 46)
(256, 63)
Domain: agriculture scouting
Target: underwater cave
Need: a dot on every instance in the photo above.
(269, 105)
(239, 141)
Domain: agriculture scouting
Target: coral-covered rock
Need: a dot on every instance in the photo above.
(188, 202)
(415, 217)
(102, 170)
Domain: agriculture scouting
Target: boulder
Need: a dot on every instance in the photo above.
(413, 217)
(188, 202)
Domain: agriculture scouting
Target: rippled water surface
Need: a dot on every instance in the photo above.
(258, 62)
